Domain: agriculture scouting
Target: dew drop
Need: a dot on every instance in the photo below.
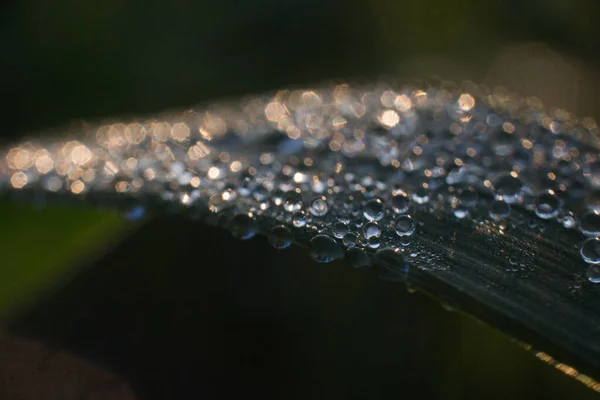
(292, 201)
(404, 225)
(499, 210)
(593, 273)
(374, 209)
(468, 198)
(350, 239)
(393, 261)
(280, 237)
(421, 196)
(590, 251)
(340, 229)
(324, 249)
(508, 188)
(319, 208)
(460, 213)
(371, 229)
(547, 206)
(400, 203)
(589, 224)
(374, 242)
(299, 219)
(243, 227)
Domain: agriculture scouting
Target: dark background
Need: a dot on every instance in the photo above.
(180, 310)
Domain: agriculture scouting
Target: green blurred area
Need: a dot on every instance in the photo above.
(41, 247)
(65, 60)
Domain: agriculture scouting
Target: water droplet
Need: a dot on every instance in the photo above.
(324, 249)
(400, 203)
(280, 237)
(374, 242)
(460, 212)
(590, 251)
(593, 273)
(371, 229)
(499, 210)
(569, 221)
(393, 261)
(589, 224)
(468, 198)
(319, 207)
(350, 239)
(547, 206)
(260, 193)
(243, 227)
(340, 229)
(404, 225)
(358, 258)
(508, 188)
(374, 209)
(299, 219)
(292, 201)
(421, 196)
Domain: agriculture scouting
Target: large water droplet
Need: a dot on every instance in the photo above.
(324, 249)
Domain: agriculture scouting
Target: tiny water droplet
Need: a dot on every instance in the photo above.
(508, 188)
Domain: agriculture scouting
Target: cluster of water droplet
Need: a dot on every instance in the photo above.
(343, 169)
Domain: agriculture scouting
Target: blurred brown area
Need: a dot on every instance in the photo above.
(30, 370)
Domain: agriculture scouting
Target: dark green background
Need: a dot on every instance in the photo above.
(154, 307)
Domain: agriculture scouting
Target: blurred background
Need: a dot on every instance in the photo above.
(96, 308)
